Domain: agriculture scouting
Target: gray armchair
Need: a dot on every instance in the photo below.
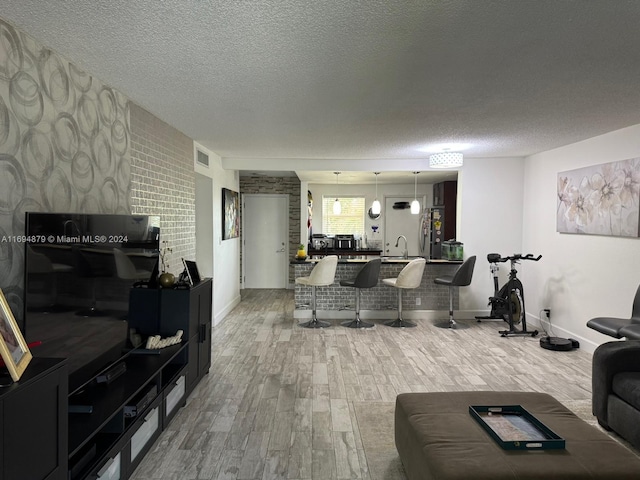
(616, 388)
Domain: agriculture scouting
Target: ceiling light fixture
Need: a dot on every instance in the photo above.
(337, 208)
(446, 160)
(415, 205)
(376, 208)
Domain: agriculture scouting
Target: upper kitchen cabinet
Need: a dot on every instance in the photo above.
(445, 195)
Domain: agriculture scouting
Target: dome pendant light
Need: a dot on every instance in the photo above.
(446, 159)
(337, 208)
(415, 205)
(376, 208)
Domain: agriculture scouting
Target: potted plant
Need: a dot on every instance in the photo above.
(301, 254)
(166, 279)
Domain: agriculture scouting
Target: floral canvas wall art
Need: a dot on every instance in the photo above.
(601, 199)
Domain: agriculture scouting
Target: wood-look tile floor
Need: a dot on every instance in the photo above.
(278, 402)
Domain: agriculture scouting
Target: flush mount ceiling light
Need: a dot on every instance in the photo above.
(415, 205)
(337, 208)
(376, 208)
(445, 160)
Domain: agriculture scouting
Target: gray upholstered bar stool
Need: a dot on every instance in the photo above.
(367, 277)
(409, 277)
(461, 278)
(126, 269)
(322, 275)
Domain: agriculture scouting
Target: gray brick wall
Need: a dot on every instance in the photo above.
(284, 186)
(380, 297)
(163, 181)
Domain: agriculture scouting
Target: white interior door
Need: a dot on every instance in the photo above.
(400, 222)
(265, 235)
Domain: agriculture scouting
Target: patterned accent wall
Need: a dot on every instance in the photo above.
(64, 146)
(163, 182)
(278, 185)
(67, 145)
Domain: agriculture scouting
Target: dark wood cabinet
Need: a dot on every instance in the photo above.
(190, 311)
(165, 311)
(33, 423)
(445, 194)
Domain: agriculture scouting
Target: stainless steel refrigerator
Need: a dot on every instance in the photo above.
(431, 232)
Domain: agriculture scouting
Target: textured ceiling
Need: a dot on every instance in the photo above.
(370, 79)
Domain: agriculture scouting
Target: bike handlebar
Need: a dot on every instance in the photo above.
(495, 257)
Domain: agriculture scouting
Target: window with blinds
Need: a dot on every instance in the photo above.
(349, 221)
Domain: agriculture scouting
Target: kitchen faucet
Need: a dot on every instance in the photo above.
(405, 253)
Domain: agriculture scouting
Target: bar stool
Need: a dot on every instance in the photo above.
(461, 278)
(126, 269)
(409, 277)
(367, 277)
(322, 275)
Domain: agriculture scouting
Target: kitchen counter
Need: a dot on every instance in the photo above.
(344, 251)
(366, 258)
(428, 301)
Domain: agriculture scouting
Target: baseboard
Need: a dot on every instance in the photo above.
(219, 316)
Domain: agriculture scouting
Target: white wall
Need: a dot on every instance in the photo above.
(579, 276)
(489, 221)
(226, 254)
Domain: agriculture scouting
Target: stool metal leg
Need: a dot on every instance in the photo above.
(314, 322)
(400, 322)
(357, 323)
(451, 323)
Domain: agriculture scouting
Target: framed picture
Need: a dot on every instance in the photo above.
(13, 348)
(193, 275)
(230, 217)
(600, 199)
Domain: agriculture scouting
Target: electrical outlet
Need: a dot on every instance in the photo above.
(418, 301)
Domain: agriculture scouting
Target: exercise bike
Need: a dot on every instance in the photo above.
(508, 303)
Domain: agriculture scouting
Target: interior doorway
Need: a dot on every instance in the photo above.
(265, 240)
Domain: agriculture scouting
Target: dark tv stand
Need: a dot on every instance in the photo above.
(110, 442)
(42, 439)
(107, 439)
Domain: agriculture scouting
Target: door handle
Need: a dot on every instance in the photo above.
(280, 251)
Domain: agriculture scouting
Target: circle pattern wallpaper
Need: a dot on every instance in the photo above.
(64, 146)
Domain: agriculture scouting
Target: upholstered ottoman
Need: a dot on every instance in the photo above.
(437, 438)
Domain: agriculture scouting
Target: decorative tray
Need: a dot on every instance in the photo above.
(514, 428)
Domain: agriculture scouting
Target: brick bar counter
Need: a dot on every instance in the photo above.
(379, 302)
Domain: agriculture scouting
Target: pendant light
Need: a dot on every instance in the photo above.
(415, 205)
(337, 208)
(376, 208)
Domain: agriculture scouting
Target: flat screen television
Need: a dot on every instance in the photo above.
(79, 269)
